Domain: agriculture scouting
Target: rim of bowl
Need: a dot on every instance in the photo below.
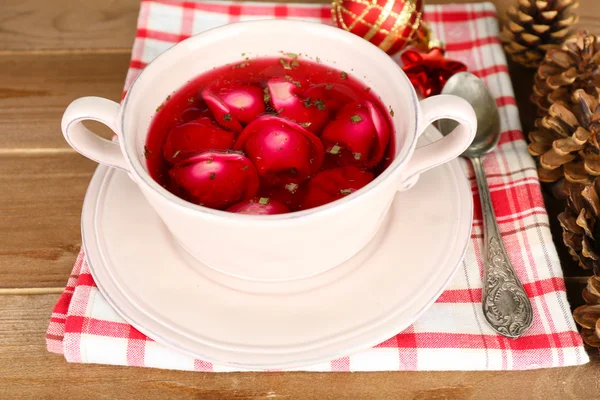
(330, 207)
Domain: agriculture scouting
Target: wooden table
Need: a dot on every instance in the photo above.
(52, 52)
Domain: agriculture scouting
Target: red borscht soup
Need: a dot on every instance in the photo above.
(269, 136)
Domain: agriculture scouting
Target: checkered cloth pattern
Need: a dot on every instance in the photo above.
(452, 334)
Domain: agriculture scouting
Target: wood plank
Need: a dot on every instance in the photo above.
(40, 219)
(28, 371)
(589, 16)
(65, 24)
(40, 214)
(33, 94)
(90, 26)
(69, 44)
(36, 89)
(588, 11)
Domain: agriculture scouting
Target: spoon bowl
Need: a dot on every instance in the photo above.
(472, 89)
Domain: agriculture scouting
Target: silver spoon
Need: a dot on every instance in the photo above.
(505, 304)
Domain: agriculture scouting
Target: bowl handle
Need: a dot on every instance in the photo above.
(85, 141)
(447, 148)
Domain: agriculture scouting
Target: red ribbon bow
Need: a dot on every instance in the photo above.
(429, 72)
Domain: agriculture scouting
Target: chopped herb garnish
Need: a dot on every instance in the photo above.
(391, 111)
(335, 149)
(357, 156)
(209, 161)
(291, 187)
(295, 64)
(346, 192)
(159, 107)
(168, 97)
(280, 110)
(243, 64)
(212, 176)
(292, 55)
(329, 86)
(243, 54)
(279, 148)
(264, 201)
(318, 60)
(355, 118)
(191, 100)
(244, 168)
(147, 151)
(367, 89)
(307, 102)
(285, 63)
(297, 83)
(267, 95)
(293, 171)
(344, 75)
(306, 124)
(227, 117)
(242, 108)
(176, 153)
(320, 105)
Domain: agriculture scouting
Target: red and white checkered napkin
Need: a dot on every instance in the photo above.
(452, 334)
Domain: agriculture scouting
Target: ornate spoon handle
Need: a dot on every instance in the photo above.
(505, 303)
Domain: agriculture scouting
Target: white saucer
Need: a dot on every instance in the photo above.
(182, 304)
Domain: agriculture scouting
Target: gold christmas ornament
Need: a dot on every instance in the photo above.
(389, 24)
(574, 66)
(566, 140)
(533, 27)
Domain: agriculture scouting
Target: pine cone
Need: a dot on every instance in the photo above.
(536, 26)
(588, 315)
(566, 140)
(575, 66)
(581, 229)
(581, 234)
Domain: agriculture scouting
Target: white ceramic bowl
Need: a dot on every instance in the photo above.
(273, 247)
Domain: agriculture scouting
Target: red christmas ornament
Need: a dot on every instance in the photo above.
(388, 24)
(429, 71)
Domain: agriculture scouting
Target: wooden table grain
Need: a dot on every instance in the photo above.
(52, 52)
